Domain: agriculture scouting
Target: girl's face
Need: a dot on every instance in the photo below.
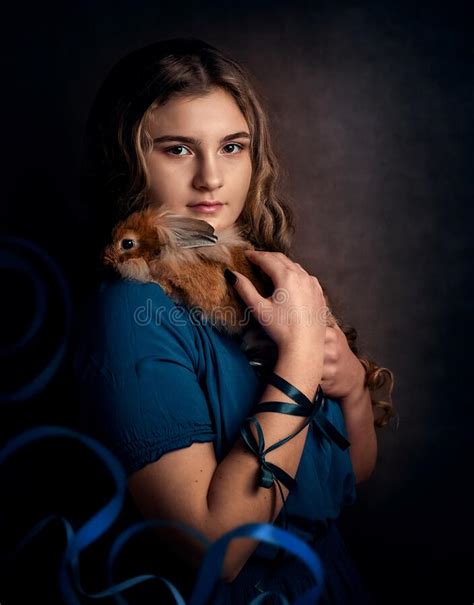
(201, 153)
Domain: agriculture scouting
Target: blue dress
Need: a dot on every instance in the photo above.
(152, 379)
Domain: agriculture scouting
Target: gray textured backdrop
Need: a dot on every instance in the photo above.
(371, 109)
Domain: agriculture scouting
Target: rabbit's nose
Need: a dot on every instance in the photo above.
(108, 258)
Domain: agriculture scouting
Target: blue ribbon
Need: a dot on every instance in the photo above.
(11, 260)
(103, 519)
(265, 532)
(327, 429)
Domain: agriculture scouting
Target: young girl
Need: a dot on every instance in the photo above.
(178, 125)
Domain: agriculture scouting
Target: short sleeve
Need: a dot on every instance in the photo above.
(137, 369)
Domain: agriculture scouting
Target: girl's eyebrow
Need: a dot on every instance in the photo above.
(193, 141)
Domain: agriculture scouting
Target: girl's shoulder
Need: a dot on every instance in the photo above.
(121, 292)
(127, 320)
(144, 304)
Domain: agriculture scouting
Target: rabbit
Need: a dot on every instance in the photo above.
(187, 258)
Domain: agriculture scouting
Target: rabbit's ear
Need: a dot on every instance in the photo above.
(190, 232)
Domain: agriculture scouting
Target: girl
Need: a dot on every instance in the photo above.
(179, 125)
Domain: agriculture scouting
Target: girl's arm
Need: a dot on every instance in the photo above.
(343, 378)
(188, 485)
(359, 420)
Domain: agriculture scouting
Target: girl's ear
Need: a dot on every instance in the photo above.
(189, 232)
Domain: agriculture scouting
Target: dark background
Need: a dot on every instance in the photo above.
(371, 106)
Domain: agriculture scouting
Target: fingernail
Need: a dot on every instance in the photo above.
(230, 277)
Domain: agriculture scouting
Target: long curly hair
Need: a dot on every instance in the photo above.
(115, 181)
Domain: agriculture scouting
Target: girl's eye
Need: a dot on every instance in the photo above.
(179, 148)
(171, 149)
(239, 147)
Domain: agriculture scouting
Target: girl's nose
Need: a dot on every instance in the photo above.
(208, 175)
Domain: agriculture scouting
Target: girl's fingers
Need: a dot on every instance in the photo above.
(270, 262)
(247, 291)
(284, 259)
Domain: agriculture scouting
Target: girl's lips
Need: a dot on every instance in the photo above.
(206, 208)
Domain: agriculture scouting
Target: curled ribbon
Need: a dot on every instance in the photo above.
(209, 573)
(12, 259)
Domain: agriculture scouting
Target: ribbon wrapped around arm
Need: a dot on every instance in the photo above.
(270, 472)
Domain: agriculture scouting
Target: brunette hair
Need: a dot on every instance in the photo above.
(115, 180)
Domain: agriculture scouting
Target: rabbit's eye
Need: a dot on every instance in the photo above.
(127, 244)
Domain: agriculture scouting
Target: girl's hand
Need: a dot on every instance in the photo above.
(343, 374)
(295, 315)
